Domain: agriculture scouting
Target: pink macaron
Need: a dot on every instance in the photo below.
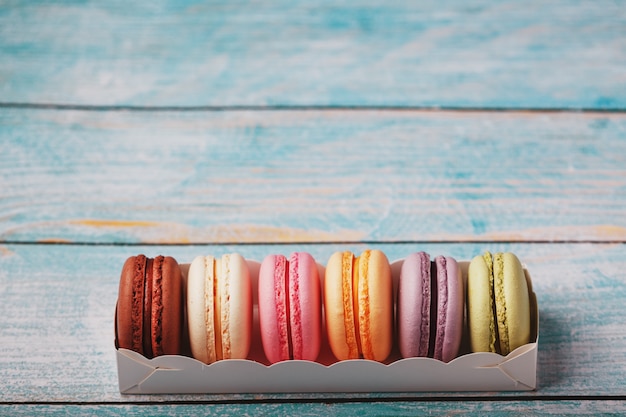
(290, 307)
(430, 307)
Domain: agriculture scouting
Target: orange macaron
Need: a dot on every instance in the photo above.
(358, 302)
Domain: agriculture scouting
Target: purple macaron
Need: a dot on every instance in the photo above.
(430, 307)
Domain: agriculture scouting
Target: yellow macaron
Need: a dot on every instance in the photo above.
(498, 305)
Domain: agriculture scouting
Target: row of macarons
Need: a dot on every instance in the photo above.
(363, 316)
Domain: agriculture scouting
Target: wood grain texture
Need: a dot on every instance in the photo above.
(313, 176)
(257, 156)
(509, 54)
(395, 409)
(56, 332)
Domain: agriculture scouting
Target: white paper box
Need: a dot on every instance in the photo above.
(468, 372)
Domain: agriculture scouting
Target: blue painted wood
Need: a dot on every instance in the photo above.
(107, 179)
(497, 409)
(57, 304)
(315, 176)
(512, 54)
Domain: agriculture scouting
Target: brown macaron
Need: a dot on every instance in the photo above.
(149, 313)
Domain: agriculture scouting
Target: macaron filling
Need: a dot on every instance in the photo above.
(287, 296)
(439, 299)
(157, 305)
(494, 338)
(434, 306)
(294, 324)
(217, 311)
(147, 309)
(432, 331)
(361, 306)
(502, 331)
(427, 309)
(223, 302)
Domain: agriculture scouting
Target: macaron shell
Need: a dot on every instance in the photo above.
(450, 326)
(200, 308)
(236, 307)
(512, 302)
(413, 307)
(375, 300)
(129, 309)
(167, 316)
(338, 306)
(273, 308)
(305, 306)
(481, 322)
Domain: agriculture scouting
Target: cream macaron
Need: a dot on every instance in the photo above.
(219, 308)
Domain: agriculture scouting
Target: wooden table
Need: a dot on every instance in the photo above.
(187, 128)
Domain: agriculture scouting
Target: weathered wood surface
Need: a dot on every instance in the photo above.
(56, 332)
(257, 156)
(511, 54)
(365, 409)
(311, 176)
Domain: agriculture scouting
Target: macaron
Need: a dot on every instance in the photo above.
(219, 308)
(290, 307)
(149, 311)
(358, 303)
(430, 307)
(498, 303)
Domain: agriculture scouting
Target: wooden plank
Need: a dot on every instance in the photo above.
(56, 332)
(313, 176)
(509, 54)
(496, 409)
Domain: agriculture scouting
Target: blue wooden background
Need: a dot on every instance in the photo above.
(188, 128)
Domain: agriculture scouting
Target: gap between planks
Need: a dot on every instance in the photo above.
(309, 242)
(333, 400)
(234, 108)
